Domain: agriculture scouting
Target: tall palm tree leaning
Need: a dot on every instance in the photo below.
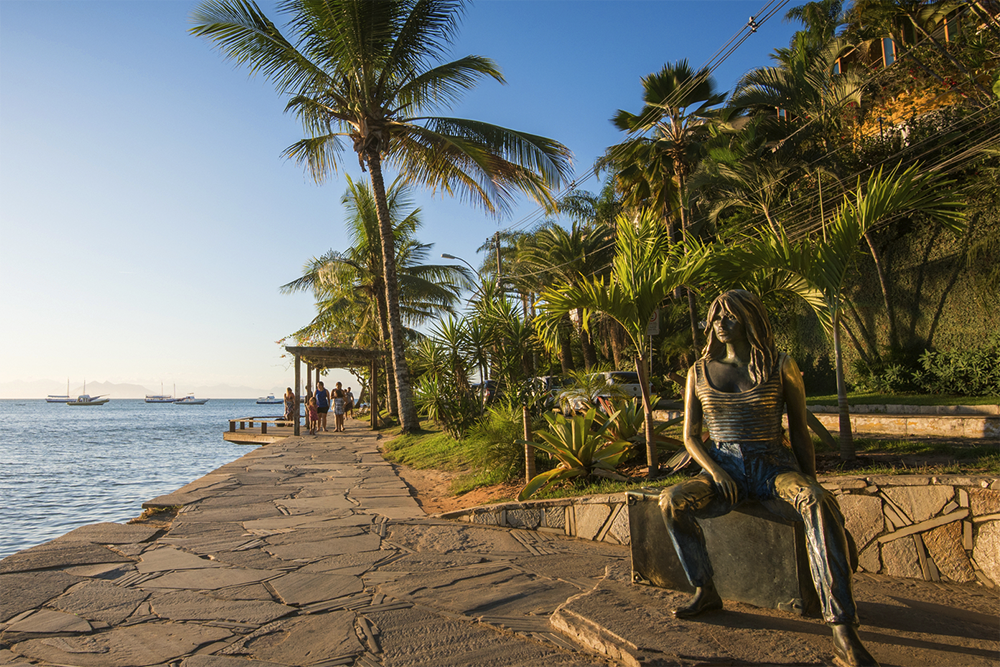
(645, 270)
(364, 72)
(349, 285)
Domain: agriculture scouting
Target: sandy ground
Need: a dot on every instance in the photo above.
(432, 489)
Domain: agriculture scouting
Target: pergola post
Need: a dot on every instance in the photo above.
(298, 391)
(373, 395)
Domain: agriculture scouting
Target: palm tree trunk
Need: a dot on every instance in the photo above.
(565, 346)
(586, 343)
(408, 419)
(652, 456)
(884, 284)
(390, 383)
(614, 335)
(846, 436)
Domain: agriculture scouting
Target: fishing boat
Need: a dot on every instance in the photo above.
(270, 400)
(54, 398)
(87, 399)
(190, 400)
(161, 397)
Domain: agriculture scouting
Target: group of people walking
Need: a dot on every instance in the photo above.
(318, 406)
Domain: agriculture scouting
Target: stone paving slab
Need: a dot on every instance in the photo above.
(100, 601)
(166, 559)
(133, 646)
(110, 533)
(60, 554)
(208, 579)
(196, 606)
(302, 588)
(24, 591)
(309, 552)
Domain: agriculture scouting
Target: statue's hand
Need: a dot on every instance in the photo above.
(725, 483)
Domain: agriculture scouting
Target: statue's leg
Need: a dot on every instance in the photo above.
(829, 561)
(680, 505)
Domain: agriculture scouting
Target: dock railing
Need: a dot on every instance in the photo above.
(254, 422)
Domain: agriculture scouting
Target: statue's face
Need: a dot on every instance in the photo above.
(727, 327)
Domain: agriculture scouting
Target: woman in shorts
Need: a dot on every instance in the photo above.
(339, 401)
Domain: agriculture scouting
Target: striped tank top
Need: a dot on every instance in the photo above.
(747, 416)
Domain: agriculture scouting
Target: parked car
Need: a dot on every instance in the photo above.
(546, 389)
(606, 384)
(486, 391)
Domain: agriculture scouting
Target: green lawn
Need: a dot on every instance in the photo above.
(904, 399)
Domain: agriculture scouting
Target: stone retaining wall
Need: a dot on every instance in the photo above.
(933, 528)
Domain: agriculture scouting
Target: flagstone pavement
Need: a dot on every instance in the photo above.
(312, 552)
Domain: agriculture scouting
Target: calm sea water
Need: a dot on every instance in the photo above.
(62, 467)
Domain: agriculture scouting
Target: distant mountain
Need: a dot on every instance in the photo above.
(42, 388)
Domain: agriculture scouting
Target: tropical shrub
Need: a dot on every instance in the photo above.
(581, 447)
(445, 403)
(882, 378)
(500, 431)
(968, 372)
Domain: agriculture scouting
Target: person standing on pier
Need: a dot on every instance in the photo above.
(349, 405)
(289, 405)
(339, 400)
(322, 405)
(312, 415)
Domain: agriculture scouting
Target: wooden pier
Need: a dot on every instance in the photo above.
(258, 430)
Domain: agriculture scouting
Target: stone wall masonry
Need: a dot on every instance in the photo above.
(942, 528)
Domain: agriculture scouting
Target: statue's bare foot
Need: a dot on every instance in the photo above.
(848, 649)
(705, 599)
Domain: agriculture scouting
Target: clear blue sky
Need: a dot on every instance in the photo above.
(147, 218)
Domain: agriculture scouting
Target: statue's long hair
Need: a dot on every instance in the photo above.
(749, 310)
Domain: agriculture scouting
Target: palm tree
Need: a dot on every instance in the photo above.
(676, 115)
(817, 271)
(556, 255)
(349, 285)
(365, 73)
(645, 269)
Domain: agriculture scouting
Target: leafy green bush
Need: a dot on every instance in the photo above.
(882, 378)
(974, 372)
(501, 431)
(447, 404)
(582, 448)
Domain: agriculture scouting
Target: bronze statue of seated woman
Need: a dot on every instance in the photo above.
(739, 389)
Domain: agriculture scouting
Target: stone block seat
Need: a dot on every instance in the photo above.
(758, 557)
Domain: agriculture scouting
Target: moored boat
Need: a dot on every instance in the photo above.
(270, 400)
(190, 400)
(87, 399)
(55, 398)
(161, 397)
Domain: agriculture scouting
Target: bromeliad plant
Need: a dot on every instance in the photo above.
(582, 448)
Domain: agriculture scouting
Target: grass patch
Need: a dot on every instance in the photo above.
(904, 399)
(431, 448)
(602, 486)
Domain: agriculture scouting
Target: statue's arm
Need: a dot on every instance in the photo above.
(798, 428)
(693, 443)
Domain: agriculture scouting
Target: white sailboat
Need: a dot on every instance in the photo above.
(54, 398)
(161, 397)
(87, 399)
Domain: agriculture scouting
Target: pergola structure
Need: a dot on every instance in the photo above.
(322, 358)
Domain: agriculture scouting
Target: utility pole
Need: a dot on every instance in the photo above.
(496, 242)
